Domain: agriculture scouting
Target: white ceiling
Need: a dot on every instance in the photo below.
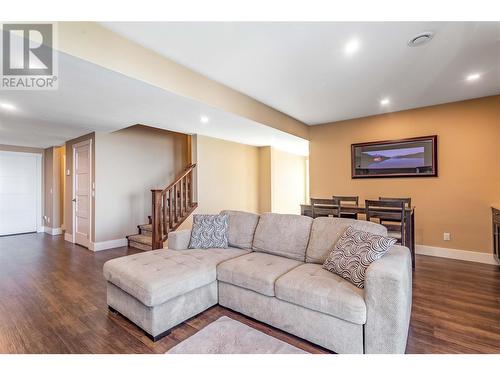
(301, 68)
(92, 98)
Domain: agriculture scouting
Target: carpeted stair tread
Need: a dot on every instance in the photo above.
(145, 240)
(148, 227)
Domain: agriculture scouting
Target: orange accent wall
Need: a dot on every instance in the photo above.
(458, 201)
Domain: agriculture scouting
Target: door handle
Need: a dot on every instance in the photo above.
(74, 199)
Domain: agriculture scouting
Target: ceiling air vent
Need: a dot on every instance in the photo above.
(420, 39)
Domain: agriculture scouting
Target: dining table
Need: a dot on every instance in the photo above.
(359, 209)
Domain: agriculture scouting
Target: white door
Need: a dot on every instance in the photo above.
(82, 157)
(20, 192)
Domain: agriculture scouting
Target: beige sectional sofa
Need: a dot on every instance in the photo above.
(272, 272)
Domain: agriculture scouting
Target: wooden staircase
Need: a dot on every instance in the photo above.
(170, 208)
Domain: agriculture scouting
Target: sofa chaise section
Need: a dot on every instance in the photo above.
(159, 289)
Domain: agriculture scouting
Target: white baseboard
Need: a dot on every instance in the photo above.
(442, 252)
(104, 245)
(53, 231)
(68, 237)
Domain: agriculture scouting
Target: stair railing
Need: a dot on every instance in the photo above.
(171, 206)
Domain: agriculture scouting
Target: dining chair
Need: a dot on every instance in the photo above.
(389, 213)
(346, 200)
(322, 203)
(406, 200)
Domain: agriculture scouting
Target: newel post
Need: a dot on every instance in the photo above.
(156, 242)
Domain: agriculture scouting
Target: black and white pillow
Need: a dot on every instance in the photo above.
(354, 252)
(209, 231)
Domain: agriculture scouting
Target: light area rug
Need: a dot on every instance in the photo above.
(228, 336)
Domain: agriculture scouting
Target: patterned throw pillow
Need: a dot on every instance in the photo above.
(354, 252)
(209, 231)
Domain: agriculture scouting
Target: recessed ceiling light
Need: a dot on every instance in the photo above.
(204, 119)
(352, 47)
(473, 77)
(385, 101)
(8, 106)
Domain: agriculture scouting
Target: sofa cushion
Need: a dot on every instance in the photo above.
(317, 289)
(241, 228)
(326, 231)
(283, 235)
(209, 231)
(157, 276)
(255, 271)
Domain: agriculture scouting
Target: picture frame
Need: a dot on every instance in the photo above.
(408, 157)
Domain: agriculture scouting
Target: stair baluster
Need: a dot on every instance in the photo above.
(185, 194)
(164, 214)
(171, 206)
(181, 196)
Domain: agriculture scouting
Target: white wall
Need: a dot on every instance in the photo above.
(288, 182)
(254, 179)
(128, 164)
(227, 176)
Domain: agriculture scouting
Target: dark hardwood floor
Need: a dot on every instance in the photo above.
(53, 300)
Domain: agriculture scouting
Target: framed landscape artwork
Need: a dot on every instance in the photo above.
(410, 157)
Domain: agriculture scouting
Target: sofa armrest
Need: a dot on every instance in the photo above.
(179, 240)
(388, 297)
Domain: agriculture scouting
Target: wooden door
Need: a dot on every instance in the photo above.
(82, 182)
